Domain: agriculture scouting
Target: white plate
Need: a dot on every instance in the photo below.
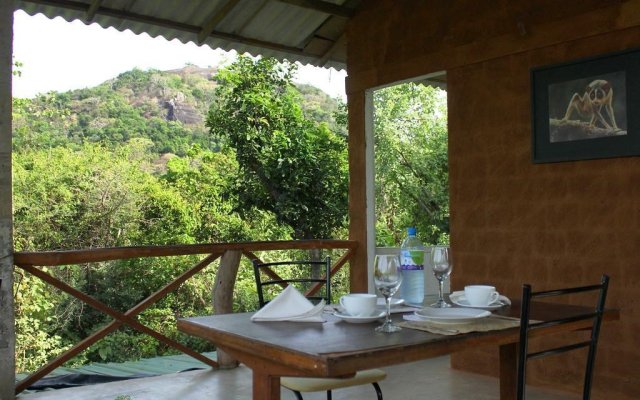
(452, 315)
(394, 302)
(359, 320)
(458, 298)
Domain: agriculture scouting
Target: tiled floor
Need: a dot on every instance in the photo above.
(430, 379)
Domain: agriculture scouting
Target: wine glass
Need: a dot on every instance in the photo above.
(441, 264)
(387, 278)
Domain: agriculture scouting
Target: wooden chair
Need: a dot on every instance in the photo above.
(527, 326)
(304, 274)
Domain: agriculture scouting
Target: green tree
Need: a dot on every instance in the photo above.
(411, 163)
(93, 198)
(88, 174)
(17, 65)
(42, 122)
(288, 164)
(70, 199)
(127, 107)
(207, 179)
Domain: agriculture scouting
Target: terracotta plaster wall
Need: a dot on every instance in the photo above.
(512, 221)
(550, 225)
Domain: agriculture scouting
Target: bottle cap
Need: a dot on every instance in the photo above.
(411, 231)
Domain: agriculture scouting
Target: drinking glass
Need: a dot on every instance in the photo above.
(441, 264)
(387, 278)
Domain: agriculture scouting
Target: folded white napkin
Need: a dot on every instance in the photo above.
(290, 305)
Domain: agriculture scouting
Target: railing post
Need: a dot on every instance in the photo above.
(223, 296)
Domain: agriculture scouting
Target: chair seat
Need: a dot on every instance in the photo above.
(324, 384)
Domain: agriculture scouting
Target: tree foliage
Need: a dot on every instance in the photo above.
(89, 172)
(17, 65)
(94, 197)
(102, 167)
(288, 164)
(411, 163)
(133, 105)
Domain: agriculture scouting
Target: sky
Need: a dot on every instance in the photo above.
(60, 55)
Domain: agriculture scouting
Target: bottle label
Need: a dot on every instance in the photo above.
(412, 260)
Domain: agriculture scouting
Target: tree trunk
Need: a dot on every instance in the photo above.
(223, 296)
(317, 271)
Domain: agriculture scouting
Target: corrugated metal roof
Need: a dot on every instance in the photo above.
(308, 31)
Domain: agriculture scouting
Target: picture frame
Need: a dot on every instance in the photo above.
(586, 109)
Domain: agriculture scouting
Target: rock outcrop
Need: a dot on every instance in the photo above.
(178, 110)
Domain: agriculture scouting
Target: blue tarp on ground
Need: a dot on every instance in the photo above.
(92, 374)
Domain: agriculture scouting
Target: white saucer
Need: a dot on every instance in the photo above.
(359, 320)
(458, 298)
(452, 315)
(394, 302)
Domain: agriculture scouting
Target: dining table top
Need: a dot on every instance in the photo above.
(335, 347)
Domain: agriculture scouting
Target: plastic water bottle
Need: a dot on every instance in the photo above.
(412, 265)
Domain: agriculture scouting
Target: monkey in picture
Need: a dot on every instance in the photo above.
(598, 95)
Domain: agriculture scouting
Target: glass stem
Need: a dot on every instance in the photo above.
(441, 287)
(387, 299)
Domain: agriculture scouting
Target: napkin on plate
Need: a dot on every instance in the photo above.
(290, 305)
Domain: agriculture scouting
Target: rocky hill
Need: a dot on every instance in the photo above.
(167, 107)
(184, 94)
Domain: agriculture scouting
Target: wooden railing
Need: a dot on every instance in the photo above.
(230, 254)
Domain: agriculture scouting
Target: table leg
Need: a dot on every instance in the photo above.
(265, 386)
(508, 371)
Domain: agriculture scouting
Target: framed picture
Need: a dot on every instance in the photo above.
(586, 109)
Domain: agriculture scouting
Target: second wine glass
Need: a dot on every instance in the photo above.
(387, 278)
(441, 264)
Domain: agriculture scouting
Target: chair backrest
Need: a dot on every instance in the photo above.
(527, 326)
(304, 275)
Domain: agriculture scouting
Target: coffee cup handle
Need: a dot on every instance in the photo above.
(342, 303)
(495, 296)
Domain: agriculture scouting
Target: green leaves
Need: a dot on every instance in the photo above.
(133, 105)
(17, 65)
(411, 163)
(88, 174)
(289, 165)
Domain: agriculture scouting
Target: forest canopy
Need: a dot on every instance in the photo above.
(199, 156)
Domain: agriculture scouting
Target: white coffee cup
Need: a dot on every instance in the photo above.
(359, 304)
(481, 295)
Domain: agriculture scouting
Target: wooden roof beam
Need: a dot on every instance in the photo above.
(322, 6)
(215, 19)
(91, 12)
(327, 55)
(251, 17)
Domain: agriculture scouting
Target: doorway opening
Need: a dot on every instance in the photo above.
(408, 165)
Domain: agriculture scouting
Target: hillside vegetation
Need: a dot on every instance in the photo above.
(130, 162)
(199, 156)
(168, 108)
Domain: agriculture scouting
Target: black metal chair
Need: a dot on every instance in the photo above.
(304, 275)
(526, 326)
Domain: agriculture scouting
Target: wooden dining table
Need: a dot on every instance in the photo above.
(339, 349)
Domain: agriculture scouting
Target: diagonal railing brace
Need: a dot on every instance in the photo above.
(126, 318)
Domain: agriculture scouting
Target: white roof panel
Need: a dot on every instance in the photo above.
(284, 29)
